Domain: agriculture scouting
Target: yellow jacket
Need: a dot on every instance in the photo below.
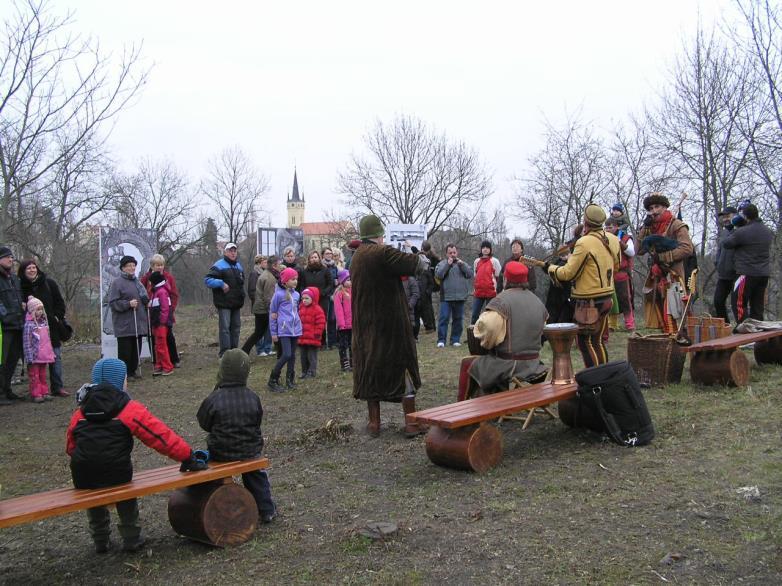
(591, 266)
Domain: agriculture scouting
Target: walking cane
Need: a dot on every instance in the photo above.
(135, 342)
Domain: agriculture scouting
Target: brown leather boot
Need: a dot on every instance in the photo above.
(373, 427)
(411, 429)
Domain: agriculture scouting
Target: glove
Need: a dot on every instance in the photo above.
(193, 464)
(546, 265)
(648, 221)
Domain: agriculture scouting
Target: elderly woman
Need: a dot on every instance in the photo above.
(158, 264)
(35, 283)
(128, 302)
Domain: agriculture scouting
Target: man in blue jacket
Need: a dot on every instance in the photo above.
(226, 280)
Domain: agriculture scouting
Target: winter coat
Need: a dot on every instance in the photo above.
(383, 345)
(223, 272)
(122, 291)
(672, 260)
(426, 278)
(284, 319)
(751, 245)
(11, 312)
(725, 267)
(161, 312)
(413, 294)
(252, 283)
(487, 277)
(48, 292)
(320, 277)
(343, 308)
(36, 341)
(232, 415)
(173, 291)
(454, 280)
(100, 437)
(264, 291)
(591, 266)
(313, 320)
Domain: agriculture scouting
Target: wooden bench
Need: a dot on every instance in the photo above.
(460, 435)
(206, 506)
(721, 362)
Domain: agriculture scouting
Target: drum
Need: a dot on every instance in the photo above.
(561, 337)
(474, 344)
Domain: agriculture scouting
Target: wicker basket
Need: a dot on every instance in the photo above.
(655, 358)
(704, 328)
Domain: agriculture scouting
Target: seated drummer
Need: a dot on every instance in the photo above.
(510, 328)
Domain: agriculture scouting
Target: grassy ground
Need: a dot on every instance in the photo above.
(563, 507)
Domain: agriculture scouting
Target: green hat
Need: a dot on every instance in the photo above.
(234, 368)
(371, 227)
(594, 215)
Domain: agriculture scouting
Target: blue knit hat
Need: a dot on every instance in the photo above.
(111, 371)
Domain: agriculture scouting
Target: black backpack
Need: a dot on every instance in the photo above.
(610, 401)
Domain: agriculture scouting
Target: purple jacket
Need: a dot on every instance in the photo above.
(284, 319)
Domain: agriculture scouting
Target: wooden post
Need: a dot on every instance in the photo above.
(768, 351)
(217, 513)
(475, 447)
(720, 367)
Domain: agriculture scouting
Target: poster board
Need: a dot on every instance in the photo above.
(397, 234)
(113, 244)
(275, 240)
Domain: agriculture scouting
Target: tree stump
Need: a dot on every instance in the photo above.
(217, 513)
(769, 351)
(475, 447)
(720, 367)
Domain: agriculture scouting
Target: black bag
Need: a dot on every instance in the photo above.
(610, 401)
(65, 329)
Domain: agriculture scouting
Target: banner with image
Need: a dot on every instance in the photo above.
(113, 244)
(403, 236)
(275, 240)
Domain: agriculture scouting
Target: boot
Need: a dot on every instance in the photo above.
(408, 406)
(373, 427)
(274, 384)
(343, 359)
(290, 381)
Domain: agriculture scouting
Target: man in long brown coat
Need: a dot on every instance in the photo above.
(665, 286)
(385, 360)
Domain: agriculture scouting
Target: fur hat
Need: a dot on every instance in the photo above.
(5, 251)
(126, 260)
(656, 198)
(342, 276)
(234, 368)
(111, 371)
(371, 227)
(516, 272)
(594, 215)
(287, 275)
(33, 303)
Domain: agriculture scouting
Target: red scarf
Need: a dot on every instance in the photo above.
(660, 225)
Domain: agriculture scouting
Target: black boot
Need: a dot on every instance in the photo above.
(343, 359)
(291, 382)
(274, 384)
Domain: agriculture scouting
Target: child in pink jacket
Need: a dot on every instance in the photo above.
(344, 313)
(38, 351)
(161, 315)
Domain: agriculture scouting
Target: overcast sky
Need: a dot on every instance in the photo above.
(301, 82)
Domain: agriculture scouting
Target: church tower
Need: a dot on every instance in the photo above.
(295, 205)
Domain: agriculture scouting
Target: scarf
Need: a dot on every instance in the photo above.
(661, 224)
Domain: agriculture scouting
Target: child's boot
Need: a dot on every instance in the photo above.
(274, 384)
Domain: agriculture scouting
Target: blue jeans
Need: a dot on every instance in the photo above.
(450, 310)
(478, 303)
(55, 372)
(230, 320)
(265, 343)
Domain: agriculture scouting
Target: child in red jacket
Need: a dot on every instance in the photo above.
(313, 322)
(161, 314)
(99, 441)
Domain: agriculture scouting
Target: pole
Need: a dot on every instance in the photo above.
(135, 341)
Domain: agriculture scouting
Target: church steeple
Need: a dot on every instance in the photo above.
(295, 204)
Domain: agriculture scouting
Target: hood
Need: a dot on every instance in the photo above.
(234, 368)
(424, 258)
(313, 292)
(103, 402)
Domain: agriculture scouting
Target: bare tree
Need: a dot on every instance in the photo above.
(564, 177)
(158, 197)
(57, 91)
(236, 188)
(414, 175)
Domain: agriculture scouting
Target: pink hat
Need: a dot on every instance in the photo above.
(33, 303)
(288, 274)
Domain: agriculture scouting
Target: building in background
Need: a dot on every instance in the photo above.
(295, 205)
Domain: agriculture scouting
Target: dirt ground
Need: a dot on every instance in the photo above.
(564, 506)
